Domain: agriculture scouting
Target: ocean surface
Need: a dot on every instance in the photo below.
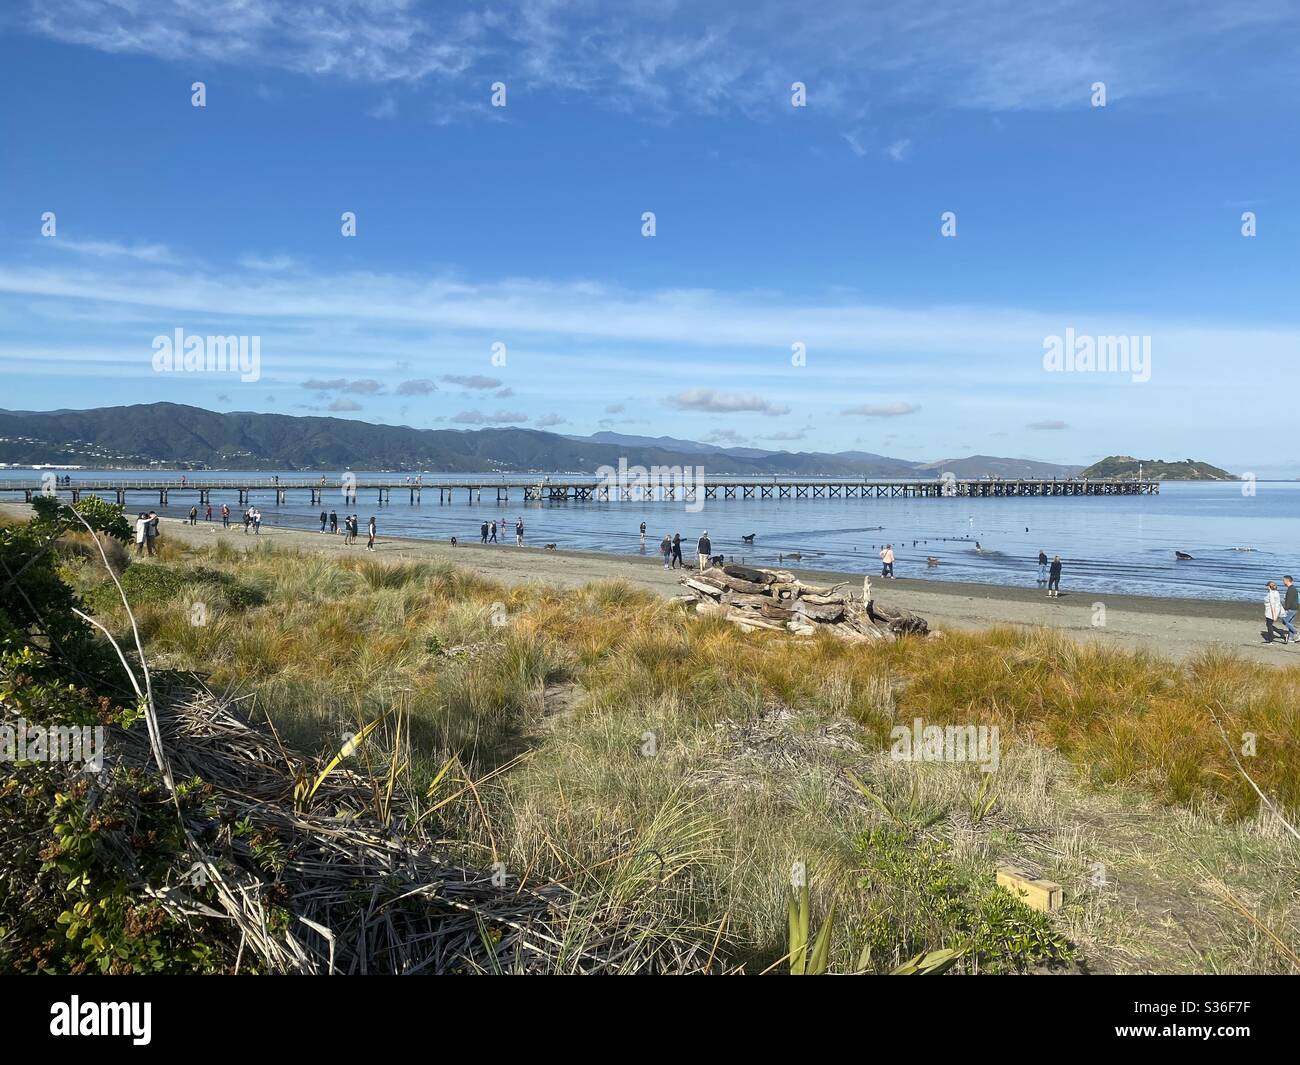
(1119, 544)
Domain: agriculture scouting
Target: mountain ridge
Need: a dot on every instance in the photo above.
(180, 436)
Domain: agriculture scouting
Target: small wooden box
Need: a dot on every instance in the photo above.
(1036, 894)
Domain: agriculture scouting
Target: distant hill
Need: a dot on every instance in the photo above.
(991, 466)
(171, 435)
(1125, 467)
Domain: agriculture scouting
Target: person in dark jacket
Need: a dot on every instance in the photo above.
(1054, 578)
(1042, 566)
(677, 550)
(1290, 604)
(334, 522)
(324, 520)
(703, 550)
(482, 533)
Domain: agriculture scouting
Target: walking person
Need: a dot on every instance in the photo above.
(643, 532)
(225, 515)
(703, 550)
(887, 561)
(483, 533)
(140, 522)
(334, 523)
(666, 549)
(370, 530)
(677, 550)
(1054, 578)
(519, 532)
(1273, 613)
(1042, 566)
(324, 520)
(207, 516)
(194, 515)
(257, 522)
(1290, 604)
(492, 532)
(248, 519)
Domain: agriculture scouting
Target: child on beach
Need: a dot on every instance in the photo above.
(666, 549)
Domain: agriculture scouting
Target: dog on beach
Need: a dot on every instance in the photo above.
(453, 541)
(548, 547)
(748, 539)
(931, 561)
(717, 560)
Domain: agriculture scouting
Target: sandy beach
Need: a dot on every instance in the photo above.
(1174, 628)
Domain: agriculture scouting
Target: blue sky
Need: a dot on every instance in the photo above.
(775, 225)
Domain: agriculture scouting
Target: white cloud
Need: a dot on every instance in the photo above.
(967, 54)
(109, 249)
(899, 149)
(501, 417)
(882, 410)
(717, 402)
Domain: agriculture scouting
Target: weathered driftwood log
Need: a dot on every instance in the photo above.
(702, 588)
(735, 583)
(898, 621)
(818, 599)
(776, 601)
(753, 622)
(748, 573)
(831, 613)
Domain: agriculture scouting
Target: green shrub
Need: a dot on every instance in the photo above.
(919, 900)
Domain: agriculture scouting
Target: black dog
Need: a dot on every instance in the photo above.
(749, 539)
(717, 560)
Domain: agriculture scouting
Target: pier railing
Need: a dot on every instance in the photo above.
(346, 490)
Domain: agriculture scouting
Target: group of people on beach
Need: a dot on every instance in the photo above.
(1281, 606)
(351, 528)
(670, 547)
(487, 532)
(146, 532)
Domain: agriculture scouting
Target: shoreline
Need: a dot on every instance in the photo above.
(1171, 628)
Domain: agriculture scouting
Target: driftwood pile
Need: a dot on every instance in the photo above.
(777, 600)
(359, 896)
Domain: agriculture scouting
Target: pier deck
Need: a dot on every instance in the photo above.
(579, 490)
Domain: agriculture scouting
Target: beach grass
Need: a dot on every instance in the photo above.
(676, 767)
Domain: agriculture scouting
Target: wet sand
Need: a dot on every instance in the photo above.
(1173, 628)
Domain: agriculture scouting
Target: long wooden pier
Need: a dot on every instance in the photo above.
(346, 490)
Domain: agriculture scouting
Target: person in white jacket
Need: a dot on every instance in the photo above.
(140, 525)
(1273, 613)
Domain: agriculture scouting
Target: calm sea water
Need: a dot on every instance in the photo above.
(1122, 544)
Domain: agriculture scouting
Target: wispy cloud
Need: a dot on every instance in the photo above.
(967, 54)
(110, 249)
(717, 402)
(476, 381)
(501, 417)
(882, 410)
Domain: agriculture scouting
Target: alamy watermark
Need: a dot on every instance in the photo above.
(978, 744)
(22, 741)
(1082, 353)
(675, 483)
(179, 353)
